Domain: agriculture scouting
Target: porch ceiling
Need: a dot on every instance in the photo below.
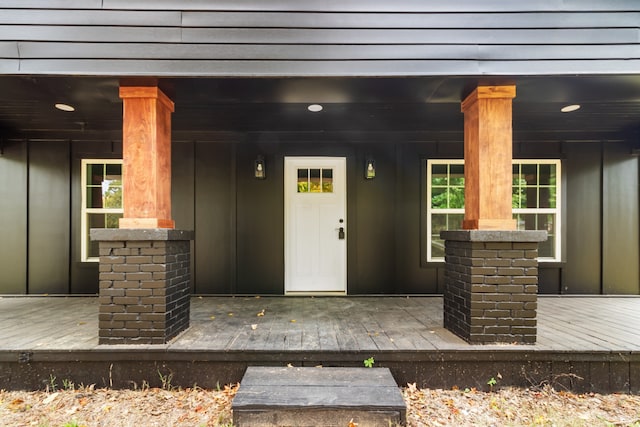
(421, 108)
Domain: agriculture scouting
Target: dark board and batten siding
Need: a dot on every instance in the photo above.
(238, 220)
(314, 38)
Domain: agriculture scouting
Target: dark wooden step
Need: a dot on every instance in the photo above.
(279, 396)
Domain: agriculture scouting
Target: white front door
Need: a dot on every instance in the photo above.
(315, 194)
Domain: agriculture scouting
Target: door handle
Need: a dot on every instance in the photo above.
(341, 233)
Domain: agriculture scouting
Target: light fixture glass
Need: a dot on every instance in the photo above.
(65, 107)
(570, 108)
(259, 171)
(370, 169)
(314, 108)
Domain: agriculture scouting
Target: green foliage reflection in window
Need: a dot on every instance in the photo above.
(535, 202)
(102, 200)
(447, 186)
(315, 180)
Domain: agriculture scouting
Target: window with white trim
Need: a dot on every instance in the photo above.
(535, 201)
(101, 200)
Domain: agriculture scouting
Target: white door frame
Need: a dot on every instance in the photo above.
(328, 242)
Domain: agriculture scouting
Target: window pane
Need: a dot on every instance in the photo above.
(93, 248)
(113, 195)
(327, 180)
(516, 172)
(439, 175)
(303, 180)
(518, 197)
(95, 173)
(314, 181)
(114, 171)
(112, 220)
(94, 197)
(442, 222)
(456, 197)
(439, 198)
(438, 224)
(544, 222)
(547, 175)
(530, 173)
(96, 220)
(456, 175)
(547, 197)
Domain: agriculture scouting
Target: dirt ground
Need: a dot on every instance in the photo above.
(85, 406)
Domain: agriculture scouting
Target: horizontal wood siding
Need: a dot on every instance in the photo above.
(335, 38)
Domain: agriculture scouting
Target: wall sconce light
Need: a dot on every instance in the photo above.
(259, 171)
(370, 169)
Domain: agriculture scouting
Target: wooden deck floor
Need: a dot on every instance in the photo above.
(282, 324)
(330, 330)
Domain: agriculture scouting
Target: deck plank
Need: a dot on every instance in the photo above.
(351, 324)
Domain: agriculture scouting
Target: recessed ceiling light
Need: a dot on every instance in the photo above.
(570, 108)
(314, 108)
(65, 107)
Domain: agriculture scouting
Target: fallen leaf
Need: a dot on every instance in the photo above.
(212, 317)
(50, 398)
(230, 314)
(254, 326)
(293, 320)
(261, 313)
(17, 405)
(289, 365)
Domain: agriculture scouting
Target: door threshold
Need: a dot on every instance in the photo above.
(315, 294)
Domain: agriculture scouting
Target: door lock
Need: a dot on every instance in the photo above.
(341, 233)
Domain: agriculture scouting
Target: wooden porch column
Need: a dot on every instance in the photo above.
(146, 151)
(487, 156)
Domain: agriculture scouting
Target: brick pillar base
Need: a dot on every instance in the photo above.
(491, 285)
(144, 284)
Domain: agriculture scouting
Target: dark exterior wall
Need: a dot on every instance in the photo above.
(13, 218)
(238, 220)
(286, 38)
(620, 220)
(49, 218)
(583, 250)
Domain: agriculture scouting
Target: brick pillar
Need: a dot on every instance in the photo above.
(491, 285)
(144, 284)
